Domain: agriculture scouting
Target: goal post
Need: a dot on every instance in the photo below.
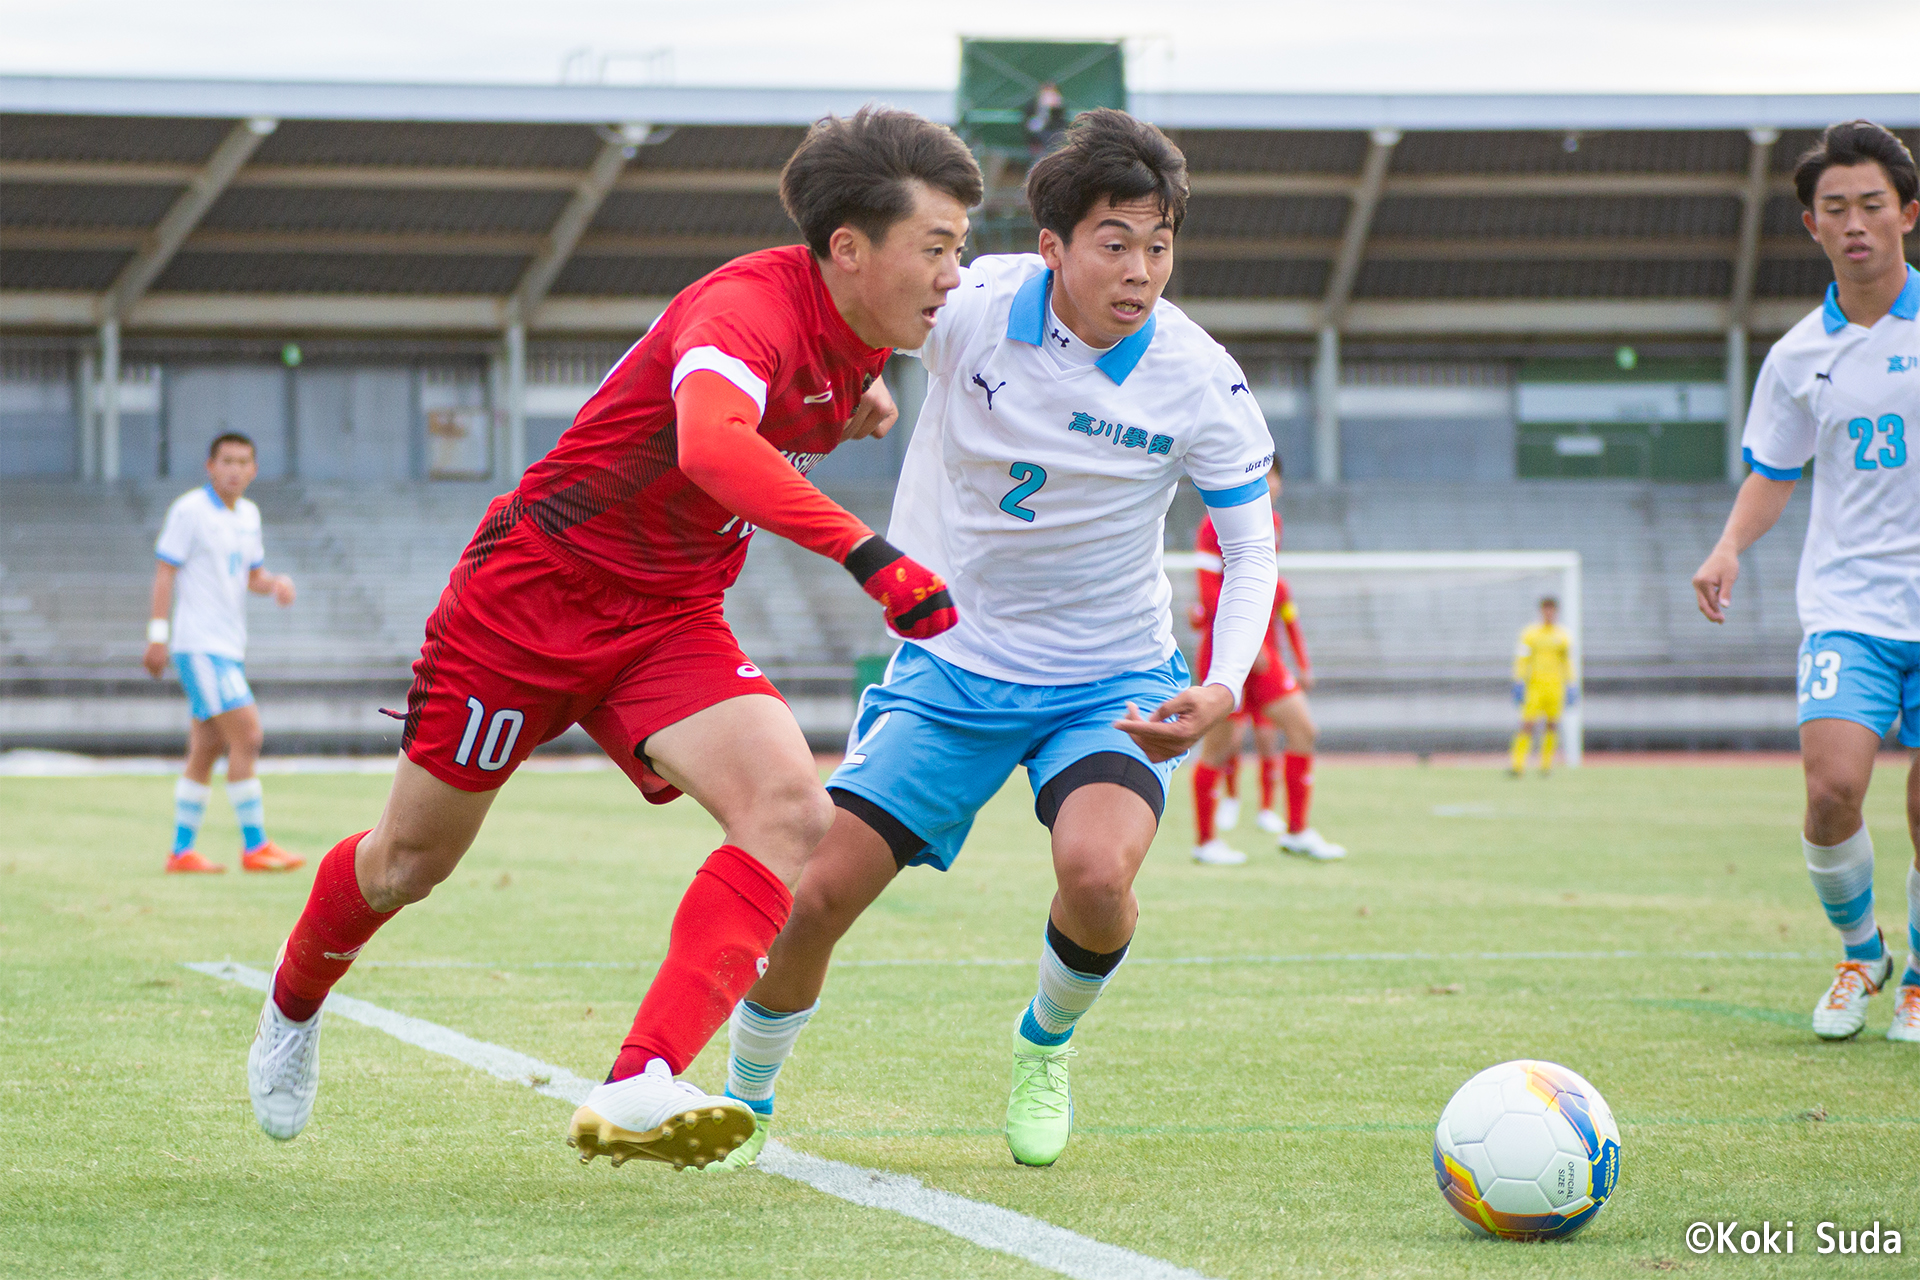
(1443, 622)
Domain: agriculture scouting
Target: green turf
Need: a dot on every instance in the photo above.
(1260, 1115)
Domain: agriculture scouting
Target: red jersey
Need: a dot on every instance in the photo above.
(611, 491)
(1207, 544)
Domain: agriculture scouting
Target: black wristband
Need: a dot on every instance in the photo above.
(870, 557)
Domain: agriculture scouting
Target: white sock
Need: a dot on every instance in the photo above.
(189, 807)
(758, 1043)
(1843, 877)
(1912, 976)
(250, 810)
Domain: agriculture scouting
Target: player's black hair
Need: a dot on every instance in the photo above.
(1107, 155)
(1856, 142)
(857, 172)
(230, 437)
(1549, 600)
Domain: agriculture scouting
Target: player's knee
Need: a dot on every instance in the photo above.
(1096, 887)
(800, 807)
(1833, 801)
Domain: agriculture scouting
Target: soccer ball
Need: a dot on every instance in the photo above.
(1526, 1151)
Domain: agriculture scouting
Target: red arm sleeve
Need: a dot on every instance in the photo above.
(721, 451)
(1290, 617)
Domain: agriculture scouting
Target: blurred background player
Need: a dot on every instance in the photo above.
(210, 556)
(1063, 663)
(1842, 390)
(1272, 703)
(593, 594)
(1542, 686)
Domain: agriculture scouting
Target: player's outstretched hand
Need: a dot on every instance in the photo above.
(154, 660)
(873, 416)
(914, 596)
(1713, 584)
(283, 590)
(1177, 723)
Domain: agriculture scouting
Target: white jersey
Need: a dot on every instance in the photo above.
(1038, 482)
(1845, 397)
(216, 551)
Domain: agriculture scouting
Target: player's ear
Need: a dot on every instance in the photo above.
(1806, 219)
(1052, 249)
(848, 247)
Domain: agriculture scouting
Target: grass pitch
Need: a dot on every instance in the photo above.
(1266, 1113)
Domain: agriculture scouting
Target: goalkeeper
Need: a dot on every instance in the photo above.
(1542, 686)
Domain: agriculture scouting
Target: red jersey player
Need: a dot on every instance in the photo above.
(1272, 702)
(592, 595)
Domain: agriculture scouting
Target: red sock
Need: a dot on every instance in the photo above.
(329, 934)
(1204, 800)
(730, 915)
(1230, 777)
(1266, 781)
(1299, 790)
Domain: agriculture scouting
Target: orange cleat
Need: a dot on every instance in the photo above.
(271, 857)
(189, 862)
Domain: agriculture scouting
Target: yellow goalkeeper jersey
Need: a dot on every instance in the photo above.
(1542, 659)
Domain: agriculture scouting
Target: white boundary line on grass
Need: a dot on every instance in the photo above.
(989, 1226)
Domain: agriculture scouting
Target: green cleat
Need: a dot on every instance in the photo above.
(747, 1152)
(1040, 1108)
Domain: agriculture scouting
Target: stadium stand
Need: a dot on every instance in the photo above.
(1492, 322)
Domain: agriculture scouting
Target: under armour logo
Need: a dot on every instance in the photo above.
(1060, 337)
(1238, 386)
(981, 383)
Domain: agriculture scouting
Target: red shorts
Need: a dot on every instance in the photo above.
(1263, 688)
(528, 641)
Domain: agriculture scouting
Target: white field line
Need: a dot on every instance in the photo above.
(1136, 961)
(1066, 1252)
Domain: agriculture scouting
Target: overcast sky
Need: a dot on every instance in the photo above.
(1777, 46)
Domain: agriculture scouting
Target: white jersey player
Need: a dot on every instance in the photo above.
(210, 556)
(1842, 391)
(1066, 400)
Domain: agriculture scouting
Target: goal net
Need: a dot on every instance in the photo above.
(1413, 650)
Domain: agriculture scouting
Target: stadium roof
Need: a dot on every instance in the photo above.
(210, 206)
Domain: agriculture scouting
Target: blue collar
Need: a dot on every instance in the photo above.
(213, 495)
(1905, 307)
(1027, 322)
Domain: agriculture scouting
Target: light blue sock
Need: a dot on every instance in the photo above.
(758, 1042)
(251, 810)
(189, 807)
(1912, 976)
(1843, 877)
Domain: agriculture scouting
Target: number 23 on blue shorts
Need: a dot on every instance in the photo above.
(1866, 679)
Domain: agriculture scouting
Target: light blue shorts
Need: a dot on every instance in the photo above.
(214, 685)
(933, 743)
(1848, 676)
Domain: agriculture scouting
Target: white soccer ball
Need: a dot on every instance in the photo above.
(1526, 1151)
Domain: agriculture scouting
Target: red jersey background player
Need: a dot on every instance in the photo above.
(1273, 703)
(592, 595)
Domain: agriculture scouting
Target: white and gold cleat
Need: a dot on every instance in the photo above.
(652, 1116)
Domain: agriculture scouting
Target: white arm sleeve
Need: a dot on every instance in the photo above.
(1248, 574)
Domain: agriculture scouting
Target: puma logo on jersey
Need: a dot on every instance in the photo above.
(981, 383)
(1238, 387)
(822, 398)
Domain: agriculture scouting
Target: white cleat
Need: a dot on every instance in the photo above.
(1843, 1010)
(1217, 853)
(1311, 844)
(1906, 1014)
(283, 1070)
(1226, 816)
(652, 1116)
(1269, 821)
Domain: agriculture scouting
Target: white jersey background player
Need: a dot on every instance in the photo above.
(1842, 390)
(210, 555)
(1065, 402)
